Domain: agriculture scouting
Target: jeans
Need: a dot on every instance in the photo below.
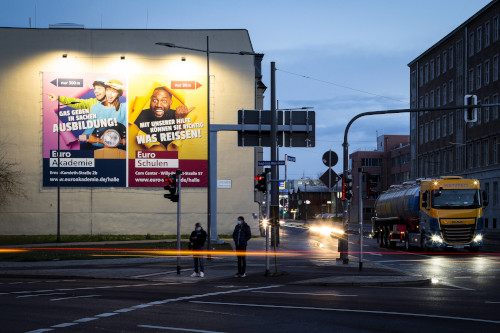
(198, 262)
(242, 259)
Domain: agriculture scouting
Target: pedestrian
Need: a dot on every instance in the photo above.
(241, 236)
(196, 243)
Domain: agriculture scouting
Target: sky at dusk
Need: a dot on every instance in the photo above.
(340, 57)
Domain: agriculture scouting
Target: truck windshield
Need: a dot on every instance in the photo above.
(453, 199)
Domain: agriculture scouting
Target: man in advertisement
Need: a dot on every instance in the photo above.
(99, 92)
(160, 113)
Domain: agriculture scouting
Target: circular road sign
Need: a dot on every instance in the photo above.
(330, 158)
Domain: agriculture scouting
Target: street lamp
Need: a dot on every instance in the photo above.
(212, 172)
(58, 239)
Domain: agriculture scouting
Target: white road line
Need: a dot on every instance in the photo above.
(351, 310)
(177, 329)
(463, 277)
(491, 302)
(40, 295)
(73, 297)
(64, 325)
(311, 294)
(41, 330)
(374, 254)
(455, 286)
(85, 320)
(165, 301)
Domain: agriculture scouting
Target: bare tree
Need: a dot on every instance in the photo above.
(10, 178)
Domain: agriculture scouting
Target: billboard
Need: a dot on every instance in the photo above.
(108, 130)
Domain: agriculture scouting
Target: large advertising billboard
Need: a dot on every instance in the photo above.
(108, 130)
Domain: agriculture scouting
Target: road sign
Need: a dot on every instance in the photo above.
(330, 158)
(262, 163)
(294, 128)
(330, 178)
(290, 158)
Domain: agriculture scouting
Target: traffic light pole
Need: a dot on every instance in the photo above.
(360, 216)
(178, 174)
(343, 244)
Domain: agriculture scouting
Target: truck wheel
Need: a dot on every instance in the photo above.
(380, 237)
(386, 237)
(407, 242)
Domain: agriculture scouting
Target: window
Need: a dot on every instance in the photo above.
(495, 108)
(450, 88)
(450, 54)
(432, 99)
(478, 76)
(426, 72)
(371, 162)
(438, 128)
(471, 44)
(444, 126)
(451, 160)
(445, 98)
(426, 133)
(487, 29)
(432, 130)
(438, 65)
(495, 193)
(469, 156)
(432, 69)
(471, 80)
(445, 59)
(426, 103)
(420, 134)
(486, 72)
(494, 68)
(486, 111)
(445, 162)
(460, 54)
(486, 147)
(495, 28)
(438, 96)
(494, 150)
(479, 113)
(421, 76)
(478, 154)
(460, 84)
(479, 39)
(451, 123)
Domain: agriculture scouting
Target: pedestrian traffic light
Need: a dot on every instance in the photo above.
(371, 183)
(171, 187)
(347, 187)
(470, 114)
(261, 182)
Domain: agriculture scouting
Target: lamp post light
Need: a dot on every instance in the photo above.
(211, 164)
(58, 238)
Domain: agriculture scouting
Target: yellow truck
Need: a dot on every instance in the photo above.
(445, 213)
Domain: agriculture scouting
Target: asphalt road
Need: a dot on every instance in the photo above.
(464, 297)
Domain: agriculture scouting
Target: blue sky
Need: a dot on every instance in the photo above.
(354, 53)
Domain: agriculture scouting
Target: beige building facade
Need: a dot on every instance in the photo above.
(29, 54)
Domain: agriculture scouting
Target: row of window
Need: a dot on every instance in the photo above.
(478, 154)
(400, 160)
(399, 178)
(371, 162)
(477, 40)
(442, 126)
(480, 76)
(493, 196)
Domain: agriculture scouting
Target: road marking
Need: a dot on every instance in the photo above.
(64, 325)
(351, 310)
(73, 297)
(491, 302)
(311, 294)
(463, 277)
(455, 286)
(84, 320)
(374, 254)
(41, 330)
(176, 329)
(40, 295)
(139, 306)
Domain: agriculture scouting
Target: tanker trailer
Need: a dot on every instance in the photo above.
(444, 213)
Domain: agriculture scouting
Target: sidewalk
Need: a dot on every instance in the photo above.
(217, 270)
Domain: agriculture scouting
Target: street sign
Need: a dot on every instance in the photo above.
(330, 178)
(281, 186)
(294, 128)
(262, 163)
(290, 158)
(330, 158)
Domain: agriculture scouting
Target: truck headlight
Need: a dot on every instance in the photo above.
(478, 238)
(436, 239)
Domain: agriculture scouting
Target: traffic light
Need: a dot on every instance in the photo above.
(171, 187)
(347, 187)
(371, 183)
(470, 114)
(261, 182)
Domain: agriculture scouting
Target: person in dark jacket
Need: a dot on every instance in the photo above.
(241, 236)
(196, 243)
